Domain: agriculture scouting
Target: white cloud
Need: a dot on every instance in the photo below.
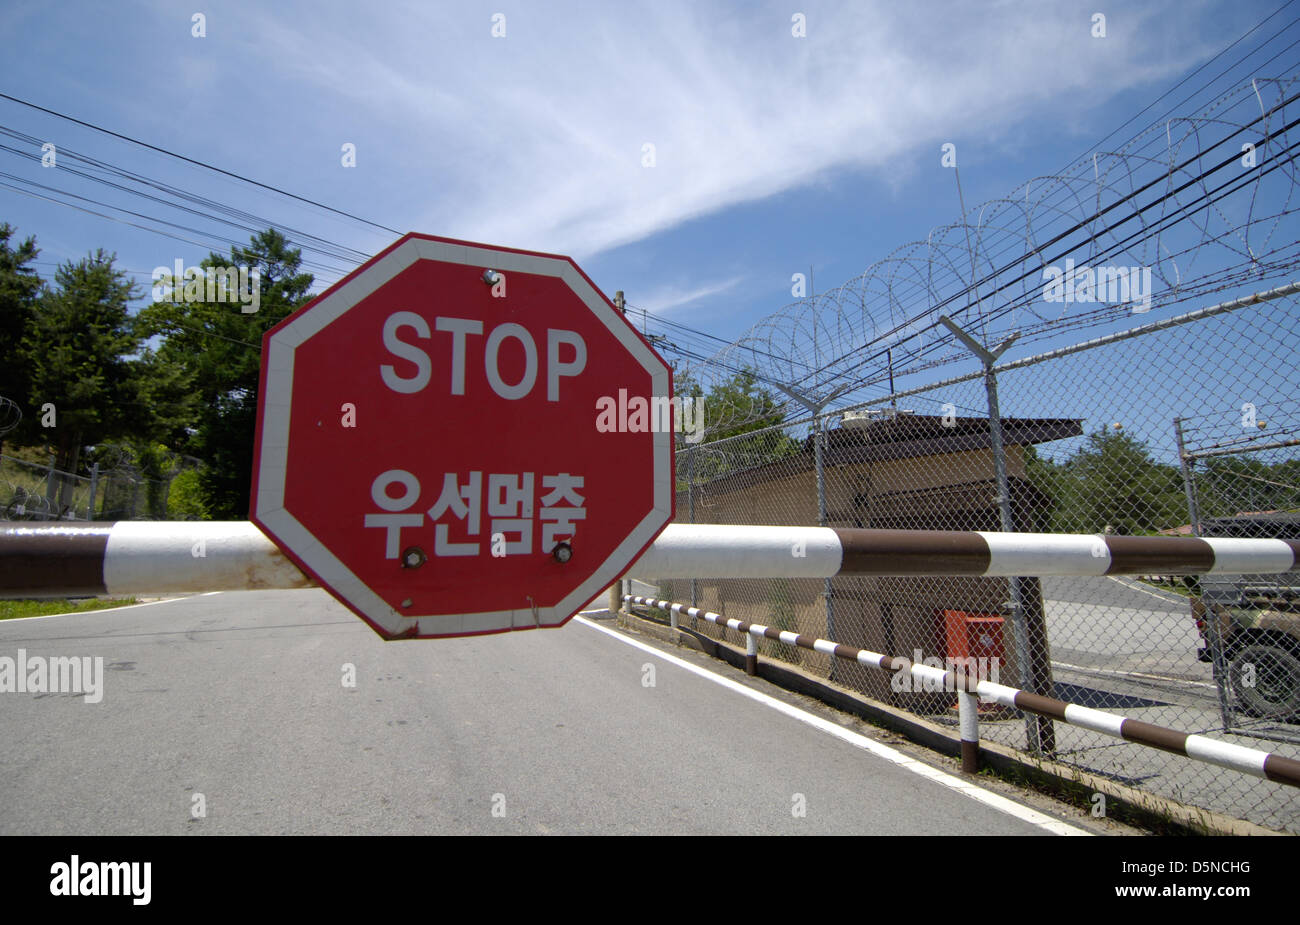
(535, 140)
(666, 298)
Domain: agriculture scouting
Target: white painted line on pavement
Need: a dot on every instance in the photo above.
(1134, 586)
(1111, 672)
(966, 788)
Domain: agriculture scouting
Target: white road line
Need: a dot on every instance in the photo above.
(82, 613)
(1134, 586)
(966, 788)
(1132, 674)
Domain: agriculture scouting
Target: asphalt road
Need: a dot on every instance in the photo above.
(240, 698)
(1119, 624)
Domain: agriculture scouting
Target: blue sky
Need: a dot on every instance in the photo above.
(773, 154)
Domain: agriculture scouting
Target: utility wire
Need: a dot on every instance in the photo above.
(197, 163)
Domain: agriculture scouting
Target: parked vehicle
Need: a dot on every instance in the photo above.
(1252, 623)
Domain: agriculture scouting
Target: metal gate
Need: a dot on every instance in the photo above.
(1241, 471)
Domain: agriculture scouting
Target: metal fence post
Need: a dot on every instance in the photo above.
(94, 486)
(819, 455)
(819, 463)
(690, 496)
(51, 483)
(1188, 486)
(969, 721)
(1033, 731)
(1218, 662)
(1035, 672)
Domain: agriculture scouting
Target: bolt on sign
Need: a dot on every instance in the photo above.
(428, 448)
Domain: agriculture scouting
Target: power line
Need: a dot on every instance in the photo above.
(228, 241)
(1188, 79)
(244, 221)
(197, 163)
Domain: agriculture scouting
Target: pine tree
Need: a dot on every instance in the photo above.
(78, 346)
(215, 347)
(20, 288)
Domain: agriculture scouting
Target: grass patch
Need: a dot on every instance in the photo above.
(659, 615)
(11, 609)
(1177, 586)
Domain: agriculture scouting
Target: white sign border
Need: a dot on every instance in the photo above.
(298, 542)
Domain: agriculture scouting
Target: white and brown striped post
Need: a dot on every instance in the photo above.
(968, 726)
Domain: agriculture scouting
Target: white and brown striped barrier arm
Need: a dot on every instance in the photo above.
(1252, 761)
(140, 557)
(738, 551)
(151, 557)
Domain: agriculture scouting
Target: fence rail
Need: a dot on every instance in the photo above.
(1253, 761)
(31, 491)
(1187, 425)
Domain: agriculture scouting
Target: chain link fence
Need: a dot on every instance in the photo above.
(113, 489)
(1186, 425)
(1242, 479)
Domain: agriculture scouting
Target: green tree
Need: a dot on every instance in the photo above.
(1111, 481)
(685, 385)
(739, 405)
(78, 346)
(733, 408)
(214, 349)
(185, 497)
(165, 404)
(1227, 485)
(158, 465)
(20, 287)
(1063, 489)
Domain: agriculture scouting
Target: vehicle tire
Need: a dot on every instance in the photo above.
(1265, 677)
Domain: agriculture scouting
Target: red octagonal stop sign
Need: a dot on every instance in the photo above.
(456, 439)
